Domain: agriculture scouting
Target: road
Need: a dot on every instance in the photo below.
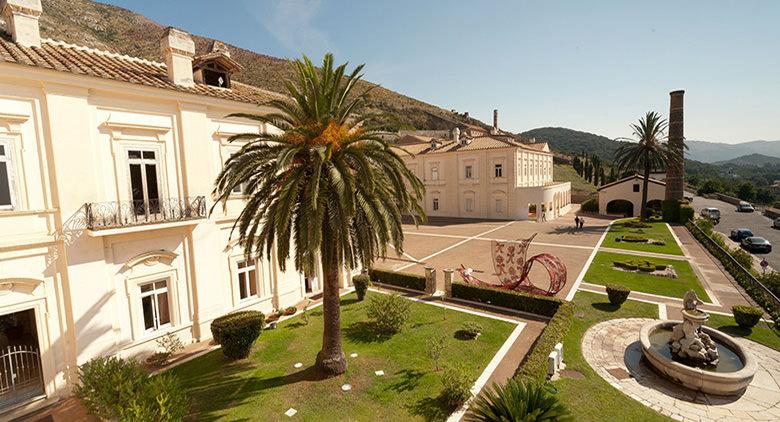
(731, 219)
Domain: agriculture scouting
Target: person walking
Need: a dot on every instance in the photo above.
(582, 223)
(577, 222)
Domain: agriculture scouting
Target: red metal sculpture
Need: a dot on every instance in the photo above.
(512, 268)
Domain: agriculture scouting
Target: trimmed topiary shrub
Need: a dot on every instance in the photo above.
(524, 302)
(516, 401)
(591, 205)
(409, 281)
(471, 329)
(361, 283)
(535, 367)
(236, 332)
(671, 210)
(747, 316)
(388, 313)
(685, 213)
(456, 385)
(636, 224)
(639, 264)
(617, 294)
(120, 389)
(633, 238)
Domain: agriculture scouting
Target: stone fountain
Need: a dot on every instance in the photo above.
(688, 342)
(696, 356)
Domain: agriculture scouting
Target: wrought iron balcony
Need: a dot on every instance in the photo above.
(119, 214)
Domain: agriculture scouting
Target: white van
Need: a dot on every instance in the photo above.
(712, 213)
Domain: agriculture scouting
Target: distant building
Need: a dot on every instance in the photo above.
(478, 173)
(624, 196)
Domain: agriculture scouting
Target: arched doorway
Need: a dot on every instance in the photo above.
(620, 206)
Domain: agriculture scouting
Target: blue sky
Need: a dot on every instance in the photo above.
(588, 65)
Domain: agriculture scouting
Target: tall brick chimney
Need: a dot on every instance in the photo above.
(675, 174)
(495, 122)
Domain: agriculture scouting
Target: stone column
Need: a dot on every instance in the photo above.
(448, 272)
(430, 280)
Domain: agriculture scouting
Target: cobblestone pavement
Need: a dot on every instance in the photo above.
(612, 348)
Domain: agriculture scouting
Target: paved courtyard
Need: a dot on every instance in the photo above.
(448, 243)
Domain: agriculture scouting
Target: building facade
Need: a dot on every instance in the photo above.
(107, 165)
(624, 196)
(476, 173)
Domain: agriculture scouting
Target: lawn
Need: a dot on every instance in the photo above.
(761, 333)
(592, 398)
(657, 231)
(266, 384)
(602, 272)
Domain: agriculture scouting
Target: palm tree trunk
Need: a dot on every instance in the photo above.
(331, 360)
(645, 185)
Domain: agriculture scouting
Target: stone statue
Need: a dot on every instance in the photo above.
(687, 340)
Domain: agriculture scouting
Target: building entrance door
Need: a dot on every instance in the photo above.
(21, 377)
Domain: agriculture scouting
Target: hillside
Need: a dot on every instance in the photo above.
(575, 142)
(712, 152)
(751, 160)
(580, 188)
(122, 31)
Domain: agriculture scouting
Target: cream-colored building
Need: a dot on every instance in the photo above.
(624, 196)
(486, 174)
(107, 163)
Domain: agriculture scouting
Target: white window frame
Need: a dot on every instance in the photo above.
(435, 206)
(8, 158)
(247, 282)
(155, 292)
(238, 190)
(434, 173)
(468, 171)
(468, 205)
(499, 205)
(158, 163)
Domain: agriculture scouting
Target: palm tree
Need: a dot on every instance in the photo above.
(518, 402)
(650, 153)
(326, 187)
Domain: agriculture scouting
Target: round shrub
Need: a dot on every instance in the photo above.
(120, 389)
(388, 313)
(471, 329)
(237, 331)
(617, 294)
(361, 283)
(456, 385)
(516, 401)
(747, 316)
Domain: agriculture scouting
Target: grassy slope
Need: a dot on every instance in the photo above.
(658, 231)
(566, 173)
(266, 385)
(120, 30)
(602, 272)
(592, 398)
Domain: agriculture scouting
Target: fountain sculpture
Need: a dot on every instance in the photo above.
(688, 341)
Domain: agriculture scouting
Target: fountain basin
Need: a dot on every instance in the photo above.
(708, 381)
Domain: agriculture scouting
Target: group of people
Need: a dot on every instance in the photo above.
(579, 222)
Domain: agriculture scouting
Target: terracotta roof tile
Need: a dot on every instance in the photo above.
(64, 57)
(417, 144)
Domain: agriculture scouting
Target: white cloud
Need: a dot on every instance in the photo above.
(291, 22)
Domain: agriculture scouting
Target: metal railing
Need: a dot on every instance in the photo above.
(118, 214)
(20, 374)
(740, 273)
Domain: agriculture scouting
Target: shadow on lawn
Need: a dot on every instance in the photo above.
(605, 307)
(365, 332)
(410, 379)
(431, 408)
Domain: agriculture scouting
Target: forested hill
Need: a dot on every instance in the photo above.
(107, 27)
(575, 142)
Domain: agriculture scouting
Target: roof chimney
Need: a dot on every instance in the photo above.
(495, 122)
(178, 49)
(21, 20)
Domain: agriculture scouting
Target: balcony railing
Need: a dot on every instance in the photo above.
(118, 214)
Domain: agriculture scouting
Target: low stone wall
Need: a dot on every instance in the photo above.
(730, 199)
(772, 212)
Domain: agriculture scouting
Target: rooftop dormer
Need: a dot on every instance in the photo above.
(215, 67)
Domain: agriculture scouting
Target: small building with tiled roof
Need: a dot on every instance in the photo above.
(479, 173)
(107, 164)
(624, 196)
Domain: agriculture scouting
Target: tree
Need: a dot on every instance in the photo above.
(746, 191)
(326, 187)
(710, 186)
(649, 153)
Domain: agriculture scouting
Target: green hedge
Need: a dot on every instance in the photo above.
(535, 367)
(410, 281)
(747, 316)
(237, 331)
(743, 276)
(671, 210)
(591, 205)
(525, 302)
(685, 213)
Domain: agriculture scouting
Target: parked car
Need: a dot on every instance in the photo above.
(756, 244)
(712, 213)
(745, 207)
(739, 234)
(776, 224)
